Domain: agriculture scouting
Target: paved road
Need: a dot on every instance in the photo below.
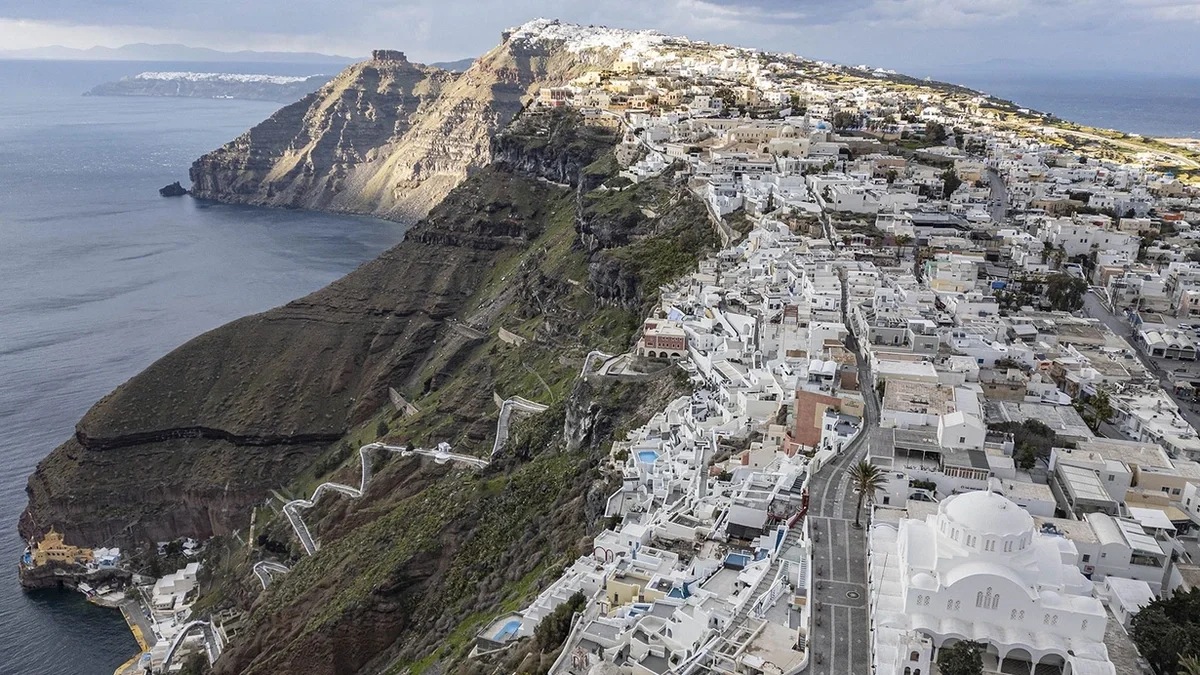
(1118, 325)
(998, 196)
(840, 645)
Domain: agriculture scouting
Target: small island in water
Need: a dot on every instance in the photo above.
(281, 88)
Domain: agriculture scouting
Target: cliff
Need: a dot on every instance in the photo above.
(385, 137)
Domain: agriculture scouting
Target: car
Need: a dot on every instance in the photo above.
(1185, 326)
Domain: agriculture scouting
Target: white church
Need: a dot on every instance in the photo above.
(979, 570)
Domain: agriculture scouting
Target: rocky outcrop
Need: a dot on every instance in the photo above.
(172, 190)
(386, 137)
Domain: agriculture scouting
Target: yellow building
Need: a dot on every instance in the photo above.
(52, 548)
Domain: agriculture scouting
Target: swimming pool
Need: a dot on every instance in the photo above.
(509, 631)
(647, 456)
(737, 561)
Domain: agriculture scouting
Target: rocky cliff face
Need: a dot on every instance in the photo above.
(386, 137)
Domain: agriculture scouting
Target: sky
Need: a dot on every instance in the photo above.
(918, 37)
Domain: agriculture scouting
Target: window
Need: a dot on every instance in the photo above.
(1103, 554)
(1008, 547)
(1012, 616)
(995, 601)
(1111, 477)
(907, 670)
(962, 439)
(886, 499)
(949, 606)
(979, 599)
(1087, 557)
(1174, 491)
(915, 656)
(1166, 489)
(1084, 626)
(957, 604)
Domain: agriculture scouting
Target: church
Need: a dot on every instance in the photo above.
(980, 570)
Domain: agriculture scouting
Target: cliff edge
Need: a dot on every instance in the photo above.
(386, 137)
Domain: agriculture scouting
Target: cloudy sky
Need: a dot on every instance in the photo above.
(916, 36)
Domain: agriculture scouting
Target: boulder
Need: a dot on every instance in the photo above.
(173, 190)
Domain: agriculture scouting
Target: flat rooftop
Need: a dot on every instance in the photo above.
(1062, 419)
(1018, 490)
(1075, 530)
(918, 397)
(1148, 455)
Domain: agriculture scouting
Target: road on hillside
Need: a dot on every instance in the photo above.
(840, 645)
(998, 199)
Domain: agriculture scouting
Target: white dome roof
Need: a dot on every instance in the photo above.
(924, 581)
(987, 513)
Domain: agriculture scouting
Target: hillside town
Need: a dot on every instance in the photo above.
(943, 371)
(944, 380)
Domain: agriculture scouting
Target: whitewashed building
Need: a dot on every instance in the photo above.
(980, 570)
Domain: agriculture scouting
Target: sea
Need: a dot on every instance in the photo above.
(100, 276)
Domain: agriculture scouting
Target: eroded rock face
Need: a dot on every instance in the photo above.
(187, 446)
(386, 137)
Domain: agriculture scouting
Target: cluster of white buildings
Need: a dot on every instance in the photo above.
(932, 230)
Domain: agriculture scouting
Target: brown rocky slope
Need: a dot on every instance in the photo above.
(386, 137)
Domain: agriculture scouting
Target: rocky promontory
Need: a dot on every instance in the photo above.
(386, 137)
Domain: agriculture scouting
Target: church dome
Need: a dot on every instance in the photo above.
(987, 513)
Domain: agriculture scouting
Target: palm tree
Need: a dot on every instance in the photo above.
(866, 479)
(1189, 665)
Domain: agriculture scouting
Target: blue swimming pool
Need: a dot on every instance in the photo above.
(647, 456)
(737, 561)
(509, 631)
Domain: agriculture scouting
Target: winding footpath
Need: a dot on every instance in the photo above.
(442, 454)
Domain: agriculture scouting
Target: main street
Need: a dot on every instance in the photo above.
(839, 642)
(1094, 308)
(998, 197)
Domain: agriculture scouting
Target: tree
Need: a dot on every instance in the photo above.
(950, 183)
(961, 658)
(381, 429)
(844, 119)
(1095, 409)
(554, 629)
(934, 131)
(727, 96)
(1065, 292)
(1189, 665)
(866, 478)
(1167, 630)
(902, 242)
(892, 176)
(1026, 456)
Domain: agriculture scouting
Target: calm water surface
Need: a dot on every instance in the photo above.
(99, 276)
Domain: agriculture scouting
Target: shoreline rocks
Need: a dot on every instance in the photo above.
(173, 190)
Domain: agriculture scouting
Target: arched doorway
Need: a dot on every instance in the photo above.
(1017, 661)
(1051, 664)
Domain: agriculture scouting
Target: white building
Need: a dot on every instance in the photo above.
(980, 570)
